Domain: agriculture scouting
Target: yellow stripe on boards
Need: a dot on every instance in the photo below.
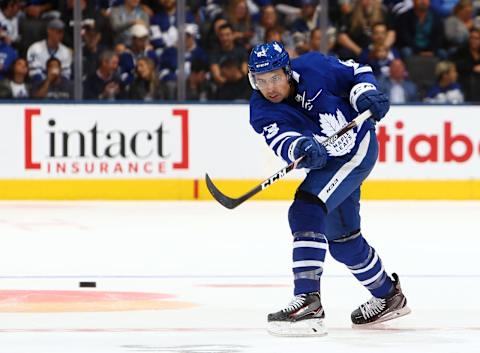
(421, 190)
(189, 189)
(139, 189)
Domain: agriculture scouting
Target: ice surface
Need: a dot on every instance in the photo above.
(221, 272)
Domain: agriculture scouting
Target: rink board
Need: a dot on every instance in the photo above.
(162, 152)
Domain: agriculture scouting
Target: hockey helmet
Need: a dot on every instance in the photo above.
(267, 57)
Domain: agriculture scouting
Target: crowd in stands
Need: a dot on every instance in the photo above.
(419, 50)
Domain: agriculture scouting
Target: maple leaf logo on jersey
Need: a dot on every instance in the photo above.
(330, 124)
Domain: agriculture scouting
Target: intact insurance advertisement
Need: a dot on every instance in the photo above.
(129, 141)
(185, 141)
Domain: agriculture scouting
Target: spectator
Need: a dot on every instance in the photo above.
(268, 20)
(54, 86)
(89, 17)
(236, 86)
(239, 17)
(272, 35)
(399, 89)
(103, 9)
(420, 31)
(164, 25)
(309, 17)
(228, 50)
(41, 51)
(169, 60)
(300, 45)
(125, 16)
(458, 25)
(16, 85)
(37, 8)
(105, 83)
(378, 55)
(447, 89)
(7, 53)
(468, 62)
(210, 41)
(355, 32)
(338, 9)
(198, 87)
(315, 44)
(32, 25)
(9, 14)
(91, 49)
(139, 48)
(145, 85)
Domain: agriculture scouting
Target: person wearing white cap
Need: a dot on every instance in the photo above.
(138, 48)
(39, 52)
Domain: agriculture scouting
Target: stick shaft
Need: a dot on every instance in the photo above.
(231, 203)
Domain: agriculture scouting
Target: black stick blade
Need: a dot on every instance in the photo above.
(226, 201)
(217, 194)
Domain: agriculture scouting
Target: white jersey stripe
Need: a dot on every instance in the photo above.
(281, 137)
(374, 278)
(291, 149)
(307, 263)
(369, 267)
(278, 152)
(362, 70)
(345, 170)
(309, 244)
(358, 90)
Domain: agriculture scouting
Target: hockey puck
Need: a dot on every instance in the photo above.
(88, 284)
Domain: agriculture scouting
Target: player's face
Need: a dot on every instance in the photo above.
(273, 85)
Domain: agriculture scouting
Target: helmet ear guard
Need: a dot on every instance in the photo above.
(251, 79)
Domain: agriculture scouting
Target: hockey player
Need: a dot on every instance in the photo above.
(296, 105)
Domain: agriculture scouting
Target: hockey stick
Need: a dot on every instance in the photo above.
(231, 203)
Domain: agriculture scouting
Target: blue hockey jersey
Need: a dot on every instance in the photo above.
(324, 102)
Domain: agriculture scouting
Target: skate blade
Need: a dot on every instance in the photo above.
(304, 328)
(390, 316)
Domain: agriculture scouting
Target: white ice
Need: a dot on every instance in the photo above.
(235, 265)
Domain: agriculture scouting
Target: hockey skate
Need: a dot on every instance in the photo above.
(378, 310)
(304, 316)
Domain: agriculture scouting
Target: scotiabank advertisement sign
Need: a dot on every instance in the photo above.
(429, 142)
(185, 141)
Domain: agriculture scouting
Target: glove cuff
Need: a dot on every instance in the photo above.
(357, 91)
(291, 148)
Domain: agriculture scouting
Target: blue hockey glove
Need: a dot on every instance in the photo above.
(374, 100)
(314, 152)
